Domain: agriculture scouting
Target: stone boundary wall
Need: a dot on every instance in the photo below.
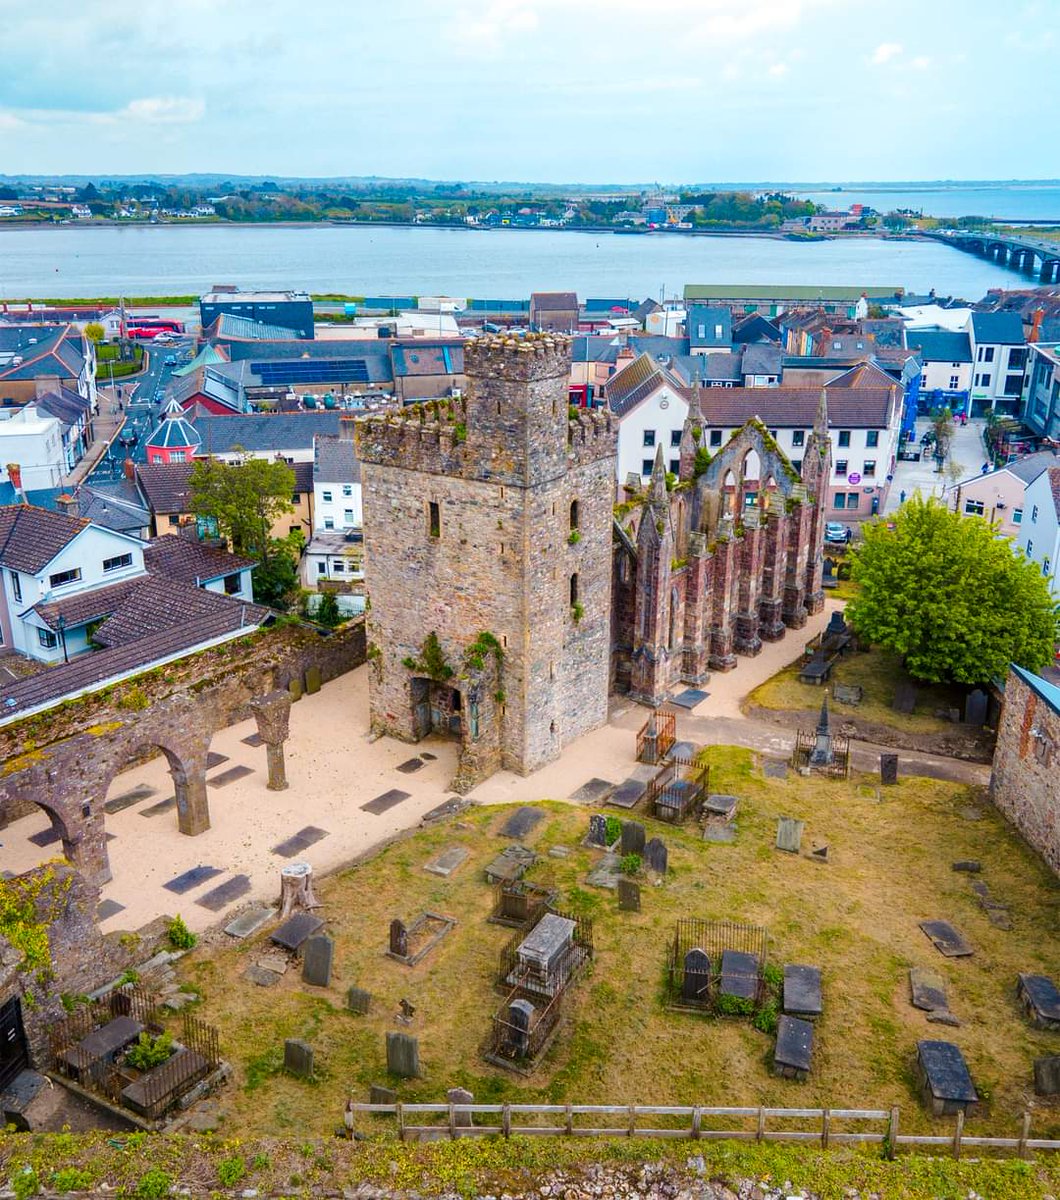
(1025, 785)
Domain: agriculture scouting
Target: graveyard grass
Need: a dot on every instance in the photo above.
(856, 917)
(879, 673)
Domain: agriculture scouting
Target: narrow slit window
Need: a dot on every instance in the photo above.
(574, 589)
(434, 519)
(574, 515)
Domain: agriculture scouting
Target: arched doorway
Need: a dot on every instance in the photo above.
(436, 708)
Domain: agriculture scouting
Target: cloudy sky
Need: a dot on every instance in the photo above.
(556, 90)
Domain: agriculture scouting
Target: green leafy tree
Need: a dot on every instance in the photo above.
(95, 332)
(327, 612)
(275, 578)
(950, 595)
(245, 499)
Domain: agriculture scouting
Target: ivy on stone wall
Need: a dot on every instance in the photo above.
(29, 904)
(432, 661)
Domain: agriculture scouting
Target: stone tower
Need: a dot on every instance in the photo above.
(487, 528)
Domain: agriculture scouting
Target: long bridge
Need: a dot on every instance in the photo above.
(1034, 256)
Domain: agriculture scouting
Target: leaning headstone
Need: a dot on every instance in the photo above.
(377, 1094)
(458, 1095)
(975, 707)
(655, 855)
(696, 982)
(358, 1000)
(399, 939)
(520, 1015)
(298, 1058)
(1047, 1075)
(789, 834)
(403, 1055)
(888, 768)
(317, 958)
(312, 680)
(628, 896)
(632, 837)
(294, 686)
(597, 830)
(971, 866)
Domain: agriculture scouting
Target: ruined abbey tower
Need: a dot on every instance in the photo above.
(487, 523)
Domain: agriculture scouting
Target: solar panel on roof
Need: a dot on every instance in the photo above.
(334, 370)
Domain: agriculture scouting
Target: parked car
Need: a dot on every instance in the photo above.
(836, 534)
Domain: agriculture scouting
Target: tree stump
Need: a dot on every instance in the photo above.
(296, 889)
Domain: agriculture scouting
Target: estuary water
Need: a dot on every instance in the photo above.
(498, 264)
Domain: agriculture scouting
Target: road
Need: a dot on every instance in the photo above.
(967, 454)
(141, 399)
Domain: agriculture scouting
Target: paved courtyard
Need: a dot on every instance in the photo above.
(967, 454)
(349, 794)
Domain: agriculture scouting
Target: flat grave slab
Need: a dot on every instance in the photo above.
(520, 823)
(1040, 1000)
(448, 861)
(718, 830)
(448, 808)
(592, 791)
(249, 922)
(226, 894)
(718, 804)
(628, 794)
(262, 976)
(46, 837)
(689, 698)
(945, 1075)
(128, 799)
(927, 990)
(302, 840)
(108, 908)
(410, 765)
(230, 776)
(191, 879)
(385, 801)
(971, 814)
(683, 752)
(774, 769)
(290, 934)
(946, 939)
(163, 806)
(802, 991)
(213, 759)
(606, 873)
(253, 739)
(739, 974)
(794, 1050)
(510, 864)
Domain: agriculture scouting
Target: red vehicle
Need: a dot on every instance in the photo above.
(149, 327)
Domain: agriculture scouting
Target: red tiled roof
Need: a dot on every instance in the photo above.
(180, 558)
(853, 408)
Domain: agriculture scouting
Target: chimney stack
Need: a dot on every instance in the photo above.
(67, 504)
(129, 469)
(14, 474)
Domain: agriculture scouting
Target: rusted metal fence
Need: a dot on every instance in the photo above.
(677, 791)
(731, 962)
(656, 736)
(581, 944)
(825, 1127)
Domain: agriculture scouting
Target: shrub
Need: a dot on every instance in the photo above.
(149, 1051)
(179, 935)
(327, 612)
(135, 700)
(614, 830)
(629, 864)
(765, 1020)
(577, 610)
(734, 1006)
(230, 1171)
(153, 1185)
(574, 538)
(25, 1183)
(71, 1179)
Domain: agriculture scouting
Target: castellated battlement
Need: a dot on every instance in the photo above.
(525, 358)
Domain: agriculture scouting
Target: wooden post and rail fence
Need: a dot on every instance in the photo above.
(690, 1122)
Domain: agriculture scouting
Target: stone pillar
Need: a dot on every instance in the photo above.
(193, 808)
(722, 657)
(85, 843)
(272, 714)
(747, 640)
(698, 576)
(771, 602)
(795, 614)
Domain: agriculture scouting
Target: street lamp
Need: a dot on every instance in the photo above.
(62, 636)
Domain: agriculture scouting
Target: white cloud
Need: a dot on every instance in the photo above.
(885, 51)
(778, 70)
(164, 110)
(10, 121)
(486, 28)
(921, 62)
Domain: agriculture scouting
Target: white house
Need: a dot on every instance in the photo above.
(945, 358)
(335, 551)
(1000, 496)
(1039, 536)
(999, 352)
(33, 440)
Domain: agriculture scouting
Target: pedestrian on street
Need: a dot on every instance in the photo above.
(901, 497)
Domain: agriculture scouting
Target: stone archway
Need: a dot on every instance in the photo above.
(187, 768)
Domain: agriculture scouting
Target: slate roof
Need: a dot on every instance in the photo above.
(367, 348)
(865, 374)
(207, 355)
(115, 506)
(594, 349)
(998, 328)
(553, 301)
(940, 345)
(761, 358)
(335, 460)
(57, 352)
(708, 317)
(258, 432)
(796, 408)
(657, 345)
(31, 537)
(246, 329)
(635, 382)
(91, 605)
(179, 558)
(157, 603)
(427, 358)
(784, 291)
(164, 485)
(174, 431)
(707, 368)
(755, 328)
(65, 405)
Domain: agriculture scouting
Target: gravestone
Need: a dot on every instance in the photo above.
(904, 698)
(632, 837)
(656, 855)
(628, 896)
(317, 959)
(520, 1016)
(971, 866)
(458, 1095)
(399, 939)
(403, 1055)
(597, 830)
(793, 1053)
(946, 939)
(975, 707)
(789, 834)
(298, 1058)
(358, 1000)
(312, 680)
(696, 981)
(377, 1094)
(846, 693)
(1047, 1075)
(519, 824)
(888, 768)
(448, 861)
